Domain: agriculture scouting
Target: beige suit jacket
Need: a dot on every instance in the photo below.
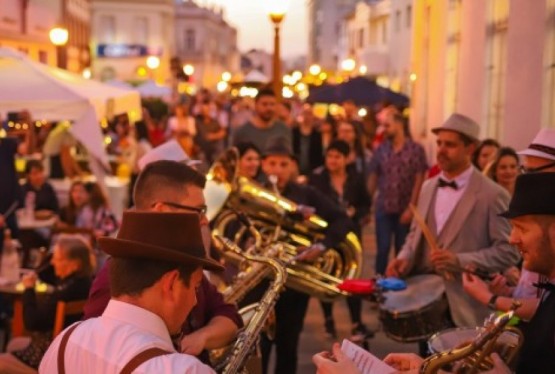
(475, 232)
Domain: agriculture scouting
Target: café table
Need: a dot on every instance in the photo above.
(15, 291)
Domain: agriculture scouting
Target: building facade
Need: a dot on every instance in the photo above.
(206, 41)
(132, 40)
(25, 25)
(493, 61)
(325, 19)
(377, 36)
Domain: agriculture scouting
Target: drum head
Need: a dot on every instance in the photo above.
(422, 290)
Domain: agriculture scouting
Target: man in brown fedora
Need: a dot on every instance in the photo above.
(169, 186)
(156, 266)
(461, 207)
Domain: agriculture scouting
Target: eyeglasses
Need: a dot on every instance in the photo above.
(525, 170)
(199, 209)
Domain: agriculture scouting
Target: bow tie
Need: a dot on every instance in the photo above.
(545, 286)
(443, 183)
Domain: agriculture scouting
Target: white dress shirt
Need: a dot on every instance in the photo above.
(107, 343)
(447, 198)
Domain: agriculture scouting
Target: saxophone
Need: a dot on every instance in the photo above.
(474, 357)
(242, 349)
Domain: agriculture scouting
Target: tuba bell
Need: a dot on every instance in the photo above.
(277, 220)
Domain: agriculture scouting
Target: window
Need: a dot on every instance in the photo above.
(408, 16)
(190, 40)
(384, 31)
(398, 20)
(107, 29)
(141, 30)
(361, 38)
(43, 57)
(496, 66)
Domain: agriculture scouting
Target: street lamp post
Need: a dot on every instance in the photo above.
(59, 37)
(277, 14)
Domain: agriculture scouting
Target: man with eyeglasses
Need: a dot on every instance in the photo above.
(169, 186)
(540, 154)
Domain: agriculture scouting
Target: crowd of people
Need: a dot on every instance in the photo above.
(351, 171)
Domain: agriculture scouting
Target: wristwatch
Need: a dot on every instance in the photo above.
(491, 302)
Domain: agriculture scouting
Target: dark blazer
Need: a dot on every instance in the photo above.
(339, 224)
(316, 152)
(355, 193)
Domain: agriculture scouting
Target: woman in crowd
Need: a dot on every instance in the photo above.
(182, 127)
(88, 208)
(73, 264)
(142, 147)
(485, 153)
(505, 169)
(249, 160)
(359, 157)
(348, 188)
(210, 134)
(78, 198)
(96, 214)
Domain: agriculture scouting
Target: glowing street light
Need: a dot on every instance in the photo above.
(153, 62)
(222, 86)
(348, 65)
(314, 69)
(226, 76)
(297, 75)
(362, 69)
(188, 69)
(59, 36)
(87, 74)
(276, 12)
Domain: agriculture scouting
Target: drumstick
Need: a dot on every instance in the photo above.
(10, 210)
(430, 238)
(482, 274)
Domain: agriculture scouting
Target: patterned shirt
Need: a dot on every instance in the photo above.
(396, 173)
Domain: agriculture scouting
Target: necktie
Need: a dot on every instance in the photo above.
(443, 183)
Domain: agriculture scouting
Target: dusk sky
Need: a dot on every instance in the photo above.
(250, 17)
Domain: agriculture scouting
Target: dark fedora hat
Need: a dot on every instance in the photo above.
(534, 194)
(278, 147)
(173, 237)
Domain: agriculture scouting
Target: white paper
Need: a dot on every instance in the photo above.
(365, 361)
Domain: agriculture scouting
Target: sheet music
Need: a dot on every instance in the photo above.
(365, 361)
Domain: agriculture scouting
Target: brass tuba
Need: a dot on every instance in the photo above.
(474, 357)
(275, 217)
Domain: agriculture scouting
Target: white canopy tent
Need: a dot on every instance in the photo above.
(55, 94)
(256, 76)
(152, 89)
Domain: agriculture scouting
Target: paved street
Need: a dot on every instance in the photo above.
(313, 338)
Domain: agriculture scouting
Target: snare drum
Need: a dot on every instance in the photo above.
(417, 312)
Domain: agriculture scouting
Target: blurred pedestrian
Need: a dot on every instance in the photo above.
(397, 171)
(264, 125)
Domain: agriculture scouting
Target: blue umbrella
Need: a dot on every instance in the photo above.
(362, 91)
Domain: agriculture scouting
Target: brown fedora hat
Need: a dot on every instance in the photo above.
(174, 237)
